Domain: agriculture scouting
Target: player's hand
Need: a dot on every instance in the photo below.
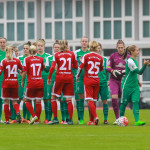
(108, 83)
(116, 73)
(56, 67)
(21, 72)
(48, 81)
(146, 62)
(78, 78)
(22, 84)
(140, 84)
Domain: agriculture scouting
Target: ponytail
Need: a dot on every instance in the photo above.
(9, 53)
(63, 45)
(128, 50)
(93, 46)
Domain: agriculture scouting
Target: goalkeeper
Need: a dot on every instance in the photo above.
(116, 66)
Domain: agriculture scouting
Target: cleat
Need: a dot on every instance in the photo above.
(45, 121)
(13, 121)
(70, 122)
(116, 122)
(81, 122)
(6, 122)
(90, 123)
(28, 121)
(18, 117)
(96, 121)
(62, 122)
(33, 119)
(23, 120)
(140, 123)
(53, 122)
(1, 121)
(106, 122)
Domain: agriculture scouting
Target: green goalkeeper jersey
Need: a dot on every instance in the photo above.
(79, 54)
(49, 62)
(44, 56)
(104, 75)
(2, 56)
(131, 78)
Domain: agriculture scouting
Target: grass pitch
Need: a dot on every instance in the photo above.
(77, 137)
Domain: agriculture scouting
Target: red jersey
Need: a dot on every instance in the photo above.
(10, 68)
(93, 63)
(65, 62)
(33, 65)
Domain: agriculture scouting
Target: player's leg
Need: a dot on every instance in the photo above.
(62, 109)
(6, 110)
(13, 113)
(80, 89)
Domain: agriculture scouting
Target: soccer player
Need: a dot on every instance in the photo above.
(16, 51)
(3, 42)
(116, 66)
(103, 89)
(65, 61)
(49, 60)
(130, 84)
(22, 90)
(41, 53)
(33, 65)
(80, 89)
(10, 66)
(93, 63)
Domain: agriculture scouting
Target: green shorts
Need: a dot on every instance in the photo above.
(103, 91)
(75, 90)
(0, 89)
(130, 95)
(21, 91)
(49, 90)
(80, 87)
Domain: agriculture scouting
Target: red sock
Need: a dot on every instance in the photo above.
(70, 108)
(92, 109)
(6, 110)
(54, 107)
(30, 108)
(16, 107)
(38, 109)
(91, 117)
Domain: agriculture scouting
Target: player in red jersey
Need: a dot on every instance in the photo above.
(65, 61)
(10, 85)
(92, 63)
(32, 66)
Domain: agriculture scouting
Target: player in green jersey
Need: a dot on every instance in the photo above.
(80, 87)
(3, 42)
(41, 53)
(130, 84)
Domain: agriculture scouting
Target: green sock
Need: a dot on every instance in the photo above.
(81, 108)
(62, 108)
(46, 110)
(34, 107)
(24, 110)
(105, 111)
(1, 108)
(50, 112)
(28, 113)
(66, 110)
(77, 106)
(122, 109)
(136, 110)
(13, 112)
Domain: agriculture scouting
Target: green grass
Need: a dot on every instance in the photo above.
(78, 137)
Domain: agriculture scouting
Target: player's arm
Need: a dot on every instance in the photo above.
(24, 73)
(75, 63)
(1, 67)
(107, 73)
(47, 67)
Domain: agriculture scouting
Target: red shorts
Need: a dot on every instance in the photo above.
(66, 88)
(10, 93)
(91, 92)
(34, 93)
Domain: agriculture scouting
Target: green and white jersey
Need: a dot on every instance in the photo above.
(49, 61)
(2, 56)
(79, 54)
(44, 56)
(104, 75)
(131, 78)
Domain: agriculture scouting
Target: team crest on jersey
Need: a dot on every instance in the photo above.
(80, 58)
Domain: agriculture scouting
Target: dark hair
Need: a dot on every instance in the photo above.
(56, 42)
(128, 50)
(3, 38)
(28, 43)
(120, 42)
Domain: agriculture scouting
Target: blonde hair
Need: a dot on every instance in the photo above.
(41, 41)
(9, 53)
(93, 46)
(32, 50)
(128, 50)
(63, 45)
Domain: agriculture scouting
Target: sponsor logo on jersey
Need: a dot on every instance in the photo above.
(120, 65)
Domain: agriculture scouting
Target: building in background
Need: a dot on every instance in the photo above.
(103, 20)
